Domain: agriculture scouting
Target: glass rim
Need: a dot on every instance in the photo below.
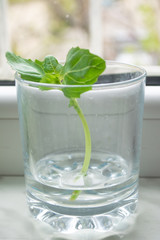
(95, 85)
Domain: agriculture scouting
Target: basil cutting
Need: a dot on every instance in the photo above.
(81, 70)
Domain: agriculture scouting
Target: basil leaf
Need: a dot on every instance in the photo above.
(75, 92)
(49, 79)
(28, 69)
(40, 63)
(51, 65)
(81, 68)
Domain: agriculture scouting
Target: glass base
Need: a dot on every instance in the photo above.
(113, 219)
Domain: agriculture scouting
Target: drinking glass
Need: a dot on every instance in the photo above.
(55, 142)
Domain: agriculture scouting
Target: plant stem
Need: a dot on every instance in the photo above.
(74, 103)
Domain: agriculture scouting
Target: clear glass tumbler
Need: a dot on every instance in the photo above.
(81, 156)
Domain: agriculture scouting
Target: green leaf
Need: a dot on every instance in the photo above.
(28, 69)
(81, 68)
(49, 79)
(40, 63)
(75, 92)
(51, 65)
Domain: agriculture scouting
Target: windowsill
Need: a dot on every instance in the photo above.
(152, 70)
(16, 222)
(8, 102)
(11, 149)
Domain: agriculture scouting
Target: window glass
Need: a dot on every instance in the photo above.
(121, 30)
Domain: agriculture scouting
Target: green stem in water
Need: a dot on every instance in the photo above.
(74, 103)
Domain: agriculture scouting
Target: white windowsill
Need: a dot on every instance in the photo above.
(152, 70)
(8, 102)
(10, 145)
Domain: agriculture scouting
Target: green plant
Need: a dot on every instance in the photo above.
(18, 1)
(81, 69)
(151, 42)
